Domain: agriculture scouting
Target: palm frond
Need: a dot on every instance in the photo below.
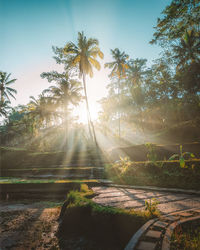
(95, 63)
(12, 90)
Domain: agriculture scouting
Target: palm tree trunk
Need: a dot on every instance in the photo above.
(90, 124)
(66, 127)
(119, 114)
(2, 92)
(2, 99)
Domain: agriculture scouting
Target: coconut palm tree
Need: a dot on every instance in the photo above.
(136, 71)
(67, 91)
(41, 110)
(83, 55)
(118, 69)
(188, 51)
(5, 90)
(4, 108)
(119, 65)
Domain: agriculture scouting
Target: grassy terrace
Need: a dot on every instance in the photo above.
(100, 227)
(10, 180)
(53, 168)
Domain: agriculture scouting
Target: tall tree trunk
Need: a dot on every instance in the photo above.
(66, 126)
(2, 99)
(2, 92)
(119, 113)
(90, 123)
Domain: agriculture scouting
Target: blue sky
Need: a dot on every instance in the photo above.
(29, 28)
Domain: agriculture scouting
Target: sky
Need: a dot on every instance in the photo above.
(29, 29)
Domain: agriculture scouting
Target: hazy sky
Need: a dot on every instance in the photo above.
(29, 28)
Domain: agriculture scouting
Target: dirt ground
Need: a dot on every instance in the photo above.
(28, 226)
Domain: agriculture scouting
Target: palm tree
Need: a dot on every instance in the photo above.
(136, 71)
(4, 108)
(41, 110)
(67, 91)
(5, 90)
(118, 69)
(188, 51)
(83, 55)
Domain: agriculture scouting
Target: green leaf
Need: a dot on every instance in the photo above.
(182, 162)
(173, 157)
(190, 154)
(181, 149)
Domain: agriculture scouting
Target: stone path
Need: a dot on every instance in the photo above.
(156, 234)
(169, 202)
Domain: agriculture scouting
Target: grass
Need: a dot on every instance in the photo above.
(188, 239)
(53, 168)
(106, 227)
(10, 180)
(48, 204)
(12, 149)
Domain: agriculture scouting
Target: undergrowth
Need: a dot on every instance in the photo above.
(162, 174)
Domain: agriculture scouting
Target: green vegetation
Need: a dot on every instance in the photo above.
(6, 92)
(83, 56)
(145, 103)
(151, 205)
(155, 103)
(12, 158)
(11, 180)
(181, 156)
(187, 238)
(105, 227)
(151, 155)
(118, 70)
(161, 173)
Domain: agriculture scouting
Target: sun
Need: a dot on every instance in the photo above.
(81, 112)
(96, 90)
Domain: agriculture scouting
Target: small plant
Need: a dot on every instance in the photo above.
(84, 188)
(125, 160)
(181, 157)
(124, 163)
(151, 205)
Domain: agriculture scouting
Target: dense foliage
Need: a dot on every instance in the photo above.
(141, 100)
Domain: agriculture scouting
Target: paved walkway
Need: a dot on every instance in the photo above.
(135, 198)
